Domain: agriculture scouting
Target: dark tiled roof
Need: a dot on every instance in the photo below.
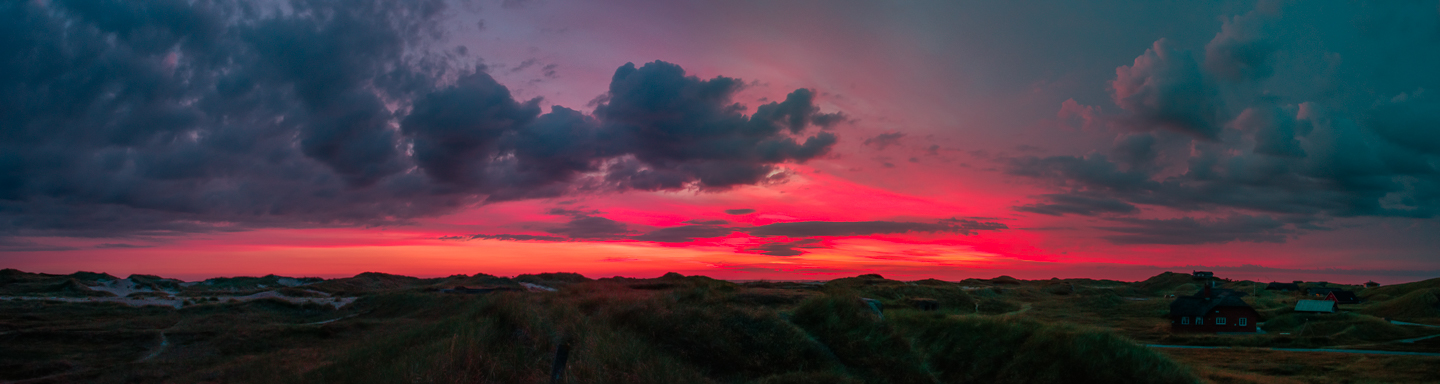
(1198, 305)
(1346, 297)
(1283, 287)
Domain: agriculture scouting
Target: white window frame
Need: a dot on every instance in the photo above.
(1219, 321)
(1199, 321)
(1241, 323)
(1185, 320)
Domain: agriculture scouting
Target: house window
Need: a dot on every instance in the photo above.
(1220, 321)
(1242, 322)
(1199, 321)
(1185, 320)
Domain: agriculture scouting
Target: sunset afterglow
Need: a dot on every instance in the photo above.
(739, 140)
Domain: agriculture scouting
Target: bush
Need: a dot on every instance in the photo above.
(724, 340)
(869, 347)
(985, 350)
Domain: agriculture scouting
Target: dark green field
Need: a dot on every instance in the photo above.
(687, 329)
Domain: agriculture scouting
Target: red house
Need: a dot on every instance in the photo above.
(1212, 310)
(1343, 297)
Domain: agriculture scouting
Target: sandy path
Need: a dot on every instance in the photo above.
(1329, 350)
(164, 342)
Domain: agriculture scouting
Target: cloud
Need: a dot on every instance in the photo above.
(1225, 133)
(507, 237)
(120, 245)
(741, 211)
(592, 228)
(1256, 229)
(143, 118)
(685, 233)
(682, 129)
(884, 140)
(1165, 89)
(586, 226)
(785, 248)
(1061, 204)
(20, 245)
(862, 228)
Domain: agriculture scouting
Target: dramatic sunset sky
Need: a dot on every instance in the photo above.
(734, 139)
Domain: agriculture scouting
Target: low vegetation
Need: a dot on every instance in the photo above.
(671, 329)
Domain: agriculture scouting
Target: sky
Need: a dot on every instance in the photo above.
(745, 140)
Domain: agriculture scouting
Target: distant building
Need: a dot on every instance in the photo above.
(1343, 297)
(1212, 310)
(1371, 284)
(1285, 287)
(1320, 292)
(1202, 274)
(1316, 306)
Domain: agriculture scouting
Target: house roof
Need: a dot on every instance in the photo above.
(1345, 296)
(1320, 291)
(1282, 286)
(1315, 306)
(1199, 305)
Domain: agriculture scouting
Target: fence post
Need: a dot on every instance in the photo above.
(562, 353)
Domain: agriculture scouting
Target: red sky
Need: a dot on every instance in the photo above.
(1017, 118)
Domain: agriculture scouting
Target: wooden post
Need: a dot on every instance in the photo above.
(562, 353)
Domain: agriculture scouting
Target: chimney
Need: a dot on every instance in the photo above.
(1207, 292)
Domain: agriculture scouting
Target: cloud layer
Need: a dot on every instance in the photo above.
(1242, 136)
(167, 116)
(776, 239)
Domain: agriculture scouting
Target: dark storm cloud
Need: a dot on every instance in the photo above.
(1165, 89)
(1227, 133)
(682, 129)
(127, 118)
(786, 248)
(742, 211)
(862, 228)
(884, 140)
(1060, 204)
(685, 233)
(1187, 230)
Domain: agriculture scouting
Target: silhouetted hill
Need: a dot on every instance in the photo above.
(370, 281)
(1418, 305)
(1167, 281)
(1398, 290)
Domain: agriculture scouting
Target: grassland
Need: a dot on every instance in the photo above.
(687, 329)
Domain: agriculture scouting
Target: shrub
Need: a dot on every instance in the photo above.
(870, 348)
(984, 350)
